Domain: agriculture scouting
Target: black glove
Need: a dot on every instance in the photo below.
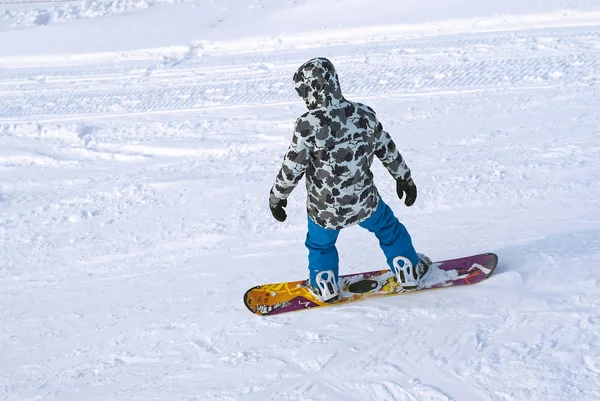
(277, 208)
(407, 188)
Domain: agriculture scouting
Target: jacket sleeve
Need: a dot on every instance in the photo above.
(386, 151)
(294, 166)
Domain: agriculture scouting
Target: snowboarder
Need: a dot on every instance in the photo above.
(333, 145)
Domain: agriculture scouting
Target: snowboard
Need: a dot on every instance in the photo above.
(272, 299)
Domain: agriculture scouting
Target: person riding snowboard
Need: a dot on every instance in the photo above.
(334, 144)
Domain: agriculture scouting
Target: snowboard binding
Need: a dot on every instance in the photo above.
(326, 289)
(407, 275)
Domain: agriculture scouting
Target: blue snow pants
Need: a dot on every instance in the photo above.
(392, 235)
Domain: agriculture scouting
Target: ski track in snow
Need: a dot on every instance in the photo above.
(192, 83)
(133, 216)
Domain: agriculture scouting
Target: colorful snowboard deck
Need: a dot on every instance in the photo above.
(271, 299)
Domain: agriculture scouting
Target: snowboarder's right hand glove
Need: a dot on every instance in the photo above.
(277, 208)
(407, 188)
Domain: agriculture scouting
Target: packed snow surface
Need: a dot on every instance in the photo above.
(138, 143)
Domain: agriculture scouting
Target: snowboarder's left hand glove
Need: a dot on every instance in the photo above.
(407, 188)
(277, 208)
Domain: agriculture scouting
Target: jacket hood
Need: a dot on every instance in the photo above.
(316, 81)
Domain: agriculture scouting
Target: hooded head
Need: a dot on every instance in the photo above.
(317, 83)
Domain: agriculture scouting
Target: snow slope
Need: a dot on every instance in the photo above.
(137, 149)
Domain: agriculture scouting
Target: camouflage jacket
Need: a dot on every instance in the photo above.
(333, 145)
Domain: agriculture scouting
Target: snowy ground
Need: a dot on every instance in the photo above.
(138, 144)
